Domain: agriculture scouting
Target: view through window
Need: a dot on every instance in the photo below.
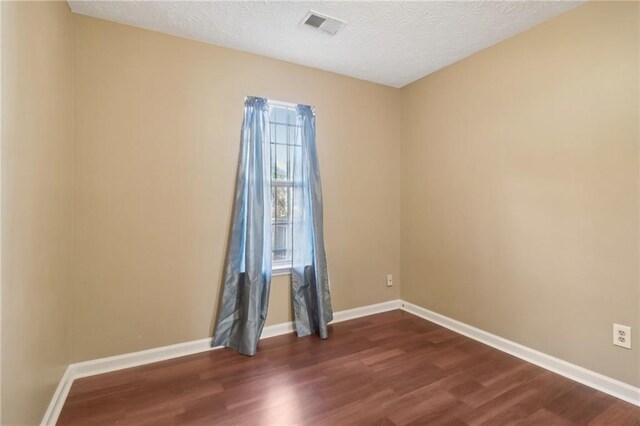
(284, 152)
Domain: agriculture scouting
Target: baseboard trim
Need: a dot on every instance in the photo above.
(133, 359)
(363, 311)
(58, 399)
(582, 375)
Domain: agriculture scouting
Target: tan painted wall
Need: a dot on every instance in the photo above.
(519, 177)
(520, 188)
(37, 165)
(157, 127)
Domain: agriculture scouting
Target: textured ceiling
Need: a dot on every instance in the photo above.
(392, 43)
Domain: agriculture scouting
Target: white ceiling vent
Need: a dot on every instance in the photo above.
(323, 23)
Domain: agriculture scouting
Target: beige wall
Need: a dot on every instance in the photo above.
(520, 188)
(157, 128)
(517, 171)
(37, 165)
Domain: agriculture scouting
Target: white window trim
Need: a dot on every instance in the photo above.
(280, 268)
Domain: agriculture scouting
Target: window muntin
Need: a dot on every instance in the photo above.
(284, 152)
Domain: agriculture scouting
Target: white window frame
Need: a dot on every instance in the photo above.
(280, 267)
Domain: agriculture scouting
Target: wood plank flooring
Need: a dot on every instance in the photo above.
(386, 369)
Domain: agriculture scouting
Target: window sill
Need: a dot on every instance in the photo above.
(280, 269)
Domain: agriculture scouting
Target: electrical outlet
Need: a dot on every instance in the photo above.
(622, 336)
(389, 280)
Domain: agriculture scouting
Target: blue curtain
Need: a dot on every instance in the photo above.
(245, 298)
(310, 281)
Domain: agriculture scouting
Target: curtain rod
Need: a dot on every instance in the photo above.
(284, 104)
(281, 103)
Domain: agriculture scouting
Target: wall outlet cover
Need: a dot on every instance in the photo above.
(622, 336)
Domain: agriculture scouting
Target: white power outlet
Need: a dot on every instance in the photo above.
(622, 336)
(389, 280)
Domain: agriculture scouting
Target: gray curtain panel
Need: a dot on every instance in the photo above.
(247, 278)
(310, 280)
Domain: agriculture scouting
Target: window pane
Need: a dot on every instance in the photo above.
(273, 162)
(281, 133)
(291, 116)
(281, 114)
(273, 204)
(291, 135)
(295, 159)
(280, 237)
(281, 204)
(280, 162)
(293, 150)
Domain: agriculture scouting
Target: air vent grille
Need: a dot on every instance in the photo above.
(323, 23)
(315, 21)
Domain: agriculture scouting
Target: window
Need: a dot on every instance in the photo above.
(284, 150)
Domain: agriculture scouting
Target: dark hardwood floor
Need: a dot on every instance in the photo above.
(386, 369)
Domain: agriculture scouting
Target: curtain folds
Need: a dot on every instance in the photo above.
(247, 280)
(310, 281)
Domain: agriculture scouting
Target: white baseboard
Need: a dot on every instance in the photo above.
(57, 401)
(133, 359)
(590, 378)
(363, 311)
